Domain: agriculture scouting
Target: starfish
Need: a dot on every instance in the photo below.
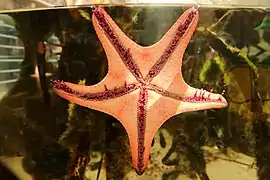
(144, 86)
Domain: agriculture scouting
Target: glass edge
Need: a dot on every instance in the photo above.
(34, 5)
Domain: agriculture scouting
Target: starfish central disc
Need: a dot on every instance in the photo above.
(144, 86)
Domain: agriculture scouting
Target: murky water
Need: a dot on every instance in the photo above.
(43, 136)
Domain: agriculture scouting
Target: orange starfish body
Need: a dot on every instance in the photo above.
(144, 86)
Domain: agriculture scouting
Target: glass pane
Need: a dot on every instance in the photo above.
(132, 94)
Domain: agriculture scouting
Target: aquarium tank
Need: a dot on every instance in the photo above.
(135, 89)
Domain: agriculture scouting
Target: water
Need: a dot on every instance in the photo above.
(43, 136)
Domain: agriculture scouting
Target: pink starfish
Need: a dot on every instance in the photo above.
(144, 86)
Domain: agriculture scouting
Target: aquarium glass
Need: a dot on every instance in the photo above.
(51, 129)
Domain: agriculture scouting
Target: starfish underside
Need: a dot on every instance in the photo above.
(144, 86)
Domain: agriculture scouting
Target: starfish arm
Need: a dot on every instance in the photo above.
(74, 90)
(97, 97)
(112, 37)
(191, 95)
(123, 107)
(170, 49)
(180, 34)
